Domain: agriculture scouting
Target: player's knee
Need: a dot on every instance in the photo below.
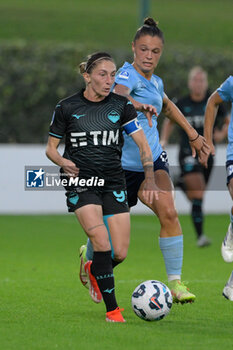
(101, 244)
(170, 215)
(120, 254)
(119, 258)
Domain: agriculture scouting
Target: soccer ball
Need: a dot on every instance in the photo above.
(151, 300)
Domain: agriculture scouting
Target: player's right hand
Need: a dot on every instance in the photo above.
(69, 168)
(149, 111)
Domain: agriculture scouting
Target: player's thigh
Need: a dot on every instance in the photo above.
(166, 198)
(164, 207)
(90, 216)
(116, 213)
(194, 185)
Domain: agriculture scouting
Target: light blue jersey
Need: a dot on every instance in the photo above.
(225, 91)
(148, 92)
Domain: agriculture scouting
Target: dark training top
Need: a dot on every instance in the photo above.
(194, 113)
(94, 137)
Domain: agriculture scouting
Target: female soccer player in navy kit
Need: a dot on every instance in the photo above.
(194, 177)
(92, 122)
(137, 82)
(223, 93)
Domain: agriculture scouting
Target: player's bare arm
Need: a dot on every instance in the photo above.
(52, 153)
(210, 114)
(197, 142)
(150, 189)
(147, 109)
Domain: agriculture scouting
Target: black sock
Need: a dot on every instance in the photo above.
(197, 216)
(115, 263)
(101, 268)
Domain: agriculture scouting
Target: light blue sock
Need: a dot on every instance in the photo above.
(89, 252)
(172, 250)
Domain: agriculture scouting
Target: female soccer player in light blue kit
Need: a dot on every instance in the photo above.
(145, 90)
(223, 93)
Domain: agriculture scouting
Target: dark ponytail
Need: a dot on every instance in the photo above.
(150, 27)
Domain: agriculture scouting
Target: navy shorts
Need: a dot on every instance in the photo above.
(134, 179)
(114, 202)
(229, 169)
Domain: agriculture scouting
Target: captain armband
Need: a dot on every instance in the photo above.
(132, 126)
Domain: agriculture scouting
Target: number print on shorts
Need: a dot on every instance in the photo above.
(120, 197)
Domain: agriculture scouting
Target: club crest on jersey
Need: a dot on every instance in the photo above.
(124, 75)
(113, 116)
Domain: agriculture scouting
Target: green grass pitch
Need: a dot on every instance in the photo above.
(44, 306)
(106, 24)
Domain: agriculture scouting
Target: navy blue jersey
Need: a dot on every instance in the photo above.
(93, 132)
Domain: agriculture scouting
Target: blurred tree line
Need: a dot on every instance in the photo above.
(34, 77)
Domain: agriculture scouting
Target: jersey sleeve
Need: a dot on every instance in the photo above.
(161, 88)
(58, 124)
(130, 122)
(126, 77)
(226, 90)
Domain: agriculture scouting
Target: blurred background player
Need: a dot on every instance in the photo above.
(194, 177)
(92, 121)
(223, 93)
(145, 90)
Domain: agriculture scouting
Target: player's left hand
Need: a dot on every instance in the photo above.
(203, 158)
(151, 191)
(149, 111)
